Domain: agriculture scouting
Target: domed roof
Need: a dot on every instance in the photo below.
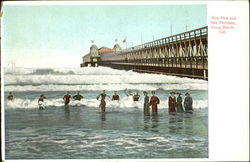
(116, 46)
(93, 47)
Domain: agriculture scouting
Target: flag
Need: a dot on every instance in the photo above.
(124, 40)
(116, 40)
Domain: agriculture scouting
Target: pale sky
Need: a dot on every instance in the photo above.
(58, 36)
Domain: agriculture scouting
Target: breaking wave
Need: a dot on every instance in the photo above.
(108, 87)
(93, 78)
(125, 102)
(64, 71)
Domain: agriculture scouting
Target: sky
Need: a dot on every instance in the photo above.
(58, 36)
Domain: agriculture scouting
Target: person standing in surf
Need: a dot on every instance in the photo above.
(146, 103)
(41, 101)
(171, 103)
(67, 98)
(188, 103)
(78, 96)
(116, 97)
(179, 103)
(10, 97)
(103, 102)
(154, 101)
(136, 96)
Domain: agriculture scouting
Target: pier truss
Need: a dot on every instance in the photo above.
(184, 54)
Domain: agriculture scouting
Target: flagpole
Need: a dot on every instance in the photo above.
(141, 39)
(171, 29)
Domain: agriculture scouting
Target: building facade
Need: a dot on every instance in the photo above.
(94, 55)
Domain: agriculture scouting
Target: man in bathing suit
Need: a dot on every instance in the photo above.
(10, 97)
(67, 98)
(78, 96)
(136, 97)
(116, 96)
(103, 102)
(41, 100)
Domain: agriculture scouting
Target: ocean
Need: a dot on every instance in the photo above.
(81, 131)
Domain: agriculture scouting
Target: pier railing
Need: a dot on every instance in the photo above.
(184, 53)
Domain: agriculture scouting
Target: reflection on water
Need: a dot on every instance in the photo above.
(151, 122)
(103, 119)
(66, 112)
(146, 122)
(155, 122)
(175, 122)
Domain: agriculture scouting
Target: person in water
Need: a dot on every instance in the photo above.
(78, 96)
(102, 105)
(67, 98)
(136, 96)
(188, 103)
(116, 96)
(146, 103)
(171, 102)
(41, 101)
(128, 92)
(179, 106)
(10, 97)
(154, 101)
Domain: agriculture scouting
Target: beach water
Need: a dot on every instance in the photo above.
(81, 131)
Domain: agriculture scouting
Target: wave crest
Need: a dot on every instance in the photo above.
(125, 102)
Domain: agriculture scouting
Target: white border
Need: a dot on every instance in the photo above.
(214, 85)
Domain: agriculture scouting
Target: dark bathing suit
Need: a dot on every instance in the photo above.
(78, 97)
(103, 103)
(136, 97)
(10, 97)
(67, 99)
(115, 97)
(146, 105)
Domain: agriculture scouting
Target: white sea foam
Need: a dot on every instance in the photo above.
(123, 103)
(108, 87)
(101, 75)
(64, 71)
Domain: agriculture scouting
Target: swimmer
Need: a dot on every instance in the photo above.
(78, 96)
(103, 102)
(67, 98)
(136, 96)
(116, 96)
(41, 101)
(128, 92)
(10, 97)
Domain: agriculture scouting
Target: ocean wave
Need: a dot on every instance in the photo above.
(65, 71)
(125, 102)
(108, 87)
(97, 76)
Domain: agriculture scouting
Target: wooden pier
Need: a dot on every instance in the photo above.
(183, 55)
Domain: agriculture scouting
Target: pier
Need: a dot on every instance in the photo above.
(183, 55)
